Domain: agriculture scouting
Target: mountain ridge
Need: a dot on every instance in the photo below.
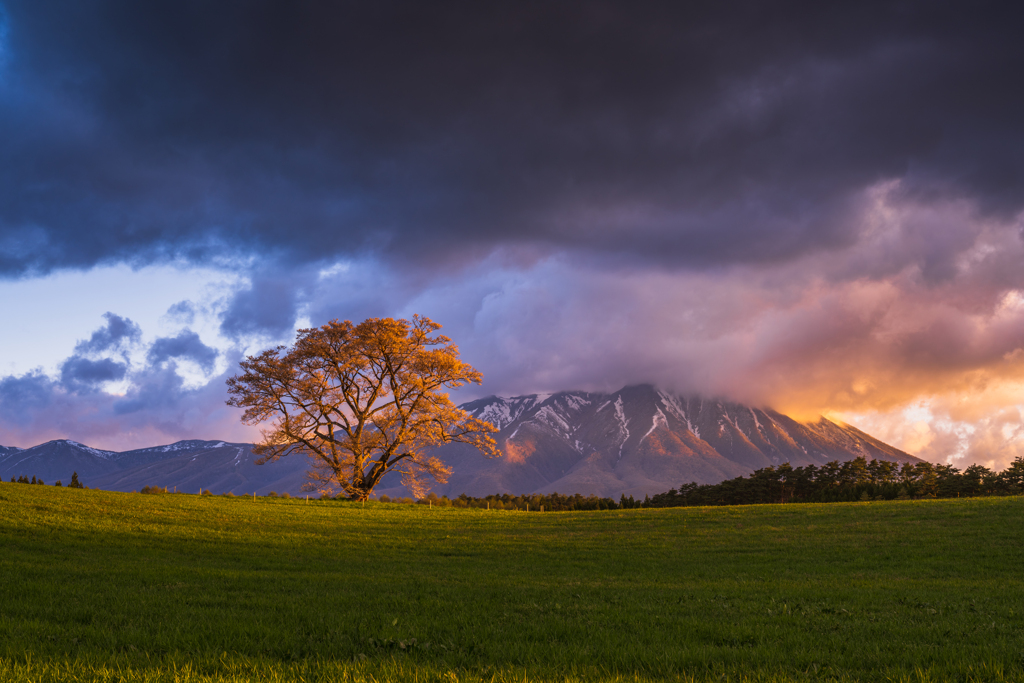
(190, 465)
(637, 441)
(641, 440)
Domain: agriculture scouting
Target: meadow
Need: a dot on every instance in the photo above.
(102, 586)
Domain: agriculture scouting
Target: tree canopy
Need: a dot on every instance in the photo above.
(857, 479)
(361, 401)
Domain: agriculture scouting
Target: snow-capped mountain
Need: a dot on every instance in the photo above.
(640, 440)
(186, 465)
(56, 460)
(154, 454)
(192, 466)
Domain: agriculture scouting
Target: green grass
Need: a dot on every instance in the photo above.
(126, 587)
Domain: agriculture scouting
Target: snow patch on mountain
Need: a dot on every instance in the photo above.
(88, 449)
(671, 404)
(659, 417)
(186, 445)
(548, 416)
(620, 415)
(539, 399)
(170, 448)
(576, 402)
(726, 417)
(502, 412)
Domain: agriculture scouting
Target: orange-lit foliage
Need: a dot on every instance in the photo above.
(361, 401)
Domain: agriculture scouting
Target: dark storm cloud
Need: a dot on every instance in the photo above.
(186, 345)
(116, 334)
(267, 307)
(26, 394)
(660, 132)
(83, 375)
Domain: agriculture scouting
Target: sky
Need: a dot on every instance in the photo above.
(816, 207)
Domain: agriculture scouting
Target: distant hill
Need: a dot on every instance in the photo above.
(638, 441)
(55, 460)
(185, 465)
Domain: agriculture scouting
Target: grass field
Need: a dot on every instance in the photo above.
(128, 587)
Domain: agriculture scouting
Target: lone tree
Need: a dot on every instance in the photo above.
(361, 401)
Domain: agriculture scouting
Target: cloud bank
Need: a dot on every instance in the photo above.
(809, 206)
(103, 396)
(649, 134)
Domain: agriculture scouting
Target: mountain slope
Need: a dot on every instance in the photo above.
(192, 466)
(638, 441)
(186, 465)
(56, 460)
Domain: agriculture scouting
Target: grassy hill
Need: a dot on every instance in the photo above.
(128, 587)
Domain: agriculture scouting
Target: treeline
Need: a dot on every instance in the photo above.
(853, 480)
(551, 502)
(75, 484)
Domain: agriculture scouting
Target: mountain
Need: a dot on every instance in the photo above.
(186, 465)
(638, 441)
(56, 460)
(191, 466)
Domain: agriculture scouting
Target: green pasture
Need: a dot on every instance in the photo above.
(100, 586)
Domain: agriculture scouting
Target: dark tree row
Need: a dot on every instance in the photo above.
(550, 502)
(75, 484)
(856, 479)
(852, 480)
